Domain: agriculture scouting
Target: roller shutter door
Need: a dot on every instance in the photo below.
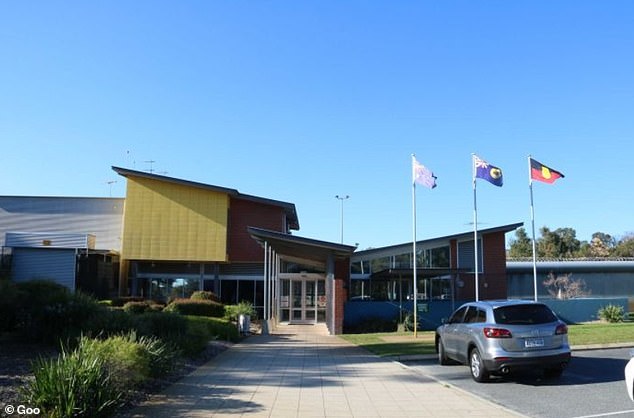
(44, 263)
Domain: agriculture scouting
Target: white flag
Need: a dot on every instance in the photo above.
(422, 175)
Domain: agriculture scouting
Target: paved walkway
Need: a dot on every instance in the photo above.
(298, 373)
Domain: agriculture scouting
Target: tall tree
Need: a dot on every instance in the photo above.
(625, 246)
(601, 245)
(521, 245)
(560, 243)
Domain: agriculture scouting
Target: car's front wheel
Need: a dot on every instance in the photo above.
(479, 373)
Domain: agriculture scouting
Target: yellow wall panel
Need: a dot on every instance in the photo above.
(174, 222)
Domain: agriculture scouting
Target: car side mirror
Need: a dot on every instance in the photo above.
(444, 321)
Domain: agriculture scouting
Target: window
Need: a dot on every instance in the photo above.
(440, 257)
(246, 290)
(229, 292)
(456, 318)
(360, 290)
(475, 315)
(360, 267)
(380, 264)
(466, 256)
(524, 314)
(433, 257)
(402, 261)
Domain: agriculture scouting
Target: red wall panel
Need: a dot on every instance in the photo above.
(242, 214)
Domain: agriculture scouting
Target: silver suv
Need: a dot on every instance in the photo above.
(497, 337)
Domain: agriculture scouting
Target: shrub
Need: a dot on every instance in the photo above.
(163, 357)
(612, 313)
(48, 312)
(169, 327)
(122, 300)
(196, 307)
(76, 384)
(131, 359)
(126, 360)
(10, 296)
(408, 322)
(232, 312)
(40, 308)
(205, 295)
(198, 336)
(109, 322)
(134, 307)
(216, 328)
(78, 313)
(43, 292)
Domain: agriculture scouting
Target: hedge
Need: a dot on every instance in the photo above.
(196, 308)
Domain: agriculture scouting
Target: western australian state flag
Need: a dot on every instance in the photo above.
(487, 171)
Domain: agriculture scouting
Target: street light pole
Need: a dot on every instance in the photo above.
(342, 198)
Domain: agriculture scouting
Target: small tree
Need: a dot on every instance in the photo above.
(563, 287)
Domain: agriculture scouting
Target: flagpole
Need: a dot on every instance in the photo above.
(414, 246)
(475, 229)
(530, 186)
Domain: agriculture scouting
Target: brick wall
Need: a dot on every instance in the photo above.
(242, 214)
(342, 272)
(492, 280)
(494, 254)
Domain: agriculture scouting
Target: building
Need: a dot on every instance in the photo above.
(598, 277)
(382, 278)
(445, 268)
(170, 237)
(74, 241)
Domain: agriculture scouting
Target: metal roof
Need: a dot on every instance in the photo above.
(294, 247)
(394, 249)
(605, 265)
(289, 208)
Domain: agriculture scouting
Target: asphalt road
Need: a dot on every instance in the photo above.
(593, 385)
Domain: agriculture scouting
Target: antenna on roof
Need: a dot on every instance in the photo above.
(151, 162)
(110, 183)
(129, 161)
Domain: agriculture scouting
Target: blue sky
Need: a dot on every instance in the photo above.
(302, 101)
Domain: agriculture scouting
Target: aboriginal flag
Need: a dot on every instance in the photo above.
(542, 173)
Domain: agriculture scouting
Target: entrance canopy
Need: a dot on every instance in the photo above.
(301, 250)
(298, 297)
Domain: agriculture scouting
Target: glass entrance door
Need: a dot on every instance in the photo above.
(303, 301)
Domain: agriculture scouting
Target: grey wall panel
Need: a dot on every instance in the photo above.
(44, 263)
(101, 217)
(48, 240)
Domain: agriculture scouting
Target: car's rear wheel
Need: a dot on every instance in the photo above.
(442, 355)
(479, 373)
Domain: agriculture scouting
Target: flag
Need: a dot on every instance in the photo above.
(542, 173)
(487, 171)
(422, 175)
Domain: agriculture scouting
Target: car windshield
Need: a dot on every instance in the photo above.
(524, 314)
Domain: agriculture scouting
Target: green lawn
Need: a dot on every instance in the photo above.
(601, 333)
(395, 343)
(404, 343)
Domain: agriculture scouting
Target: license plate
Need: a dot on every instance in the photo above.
(534, 342)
